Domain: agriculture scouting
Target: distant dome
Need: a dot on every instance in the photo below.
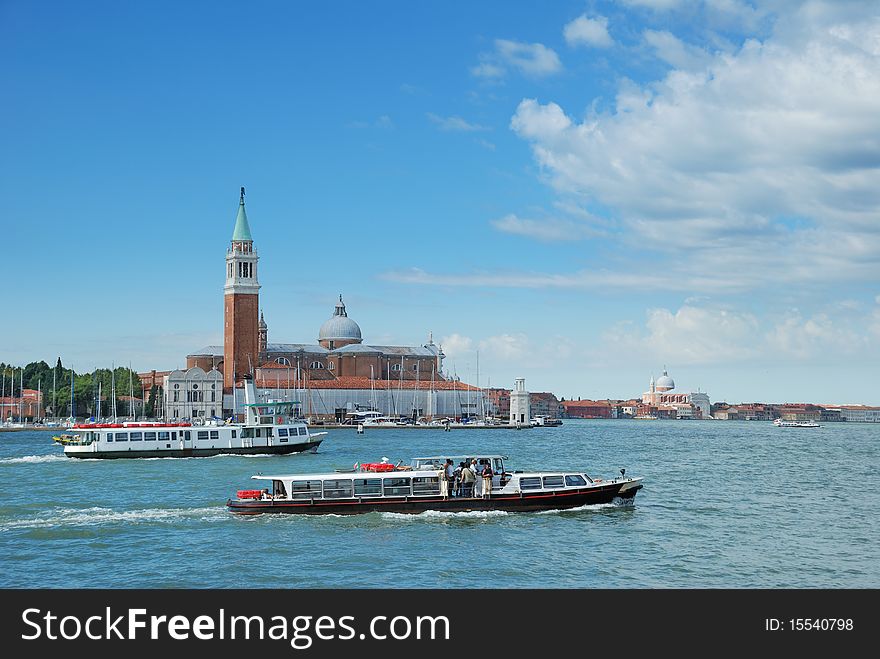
(664, 382)
(339, 326)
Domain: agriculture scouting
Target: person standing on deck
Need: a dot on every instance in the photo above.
(450, 475)
(467, 481)
(487, 480)
(444, 484)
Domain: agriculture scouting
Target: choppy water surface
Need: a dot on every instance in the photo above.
(725, 504)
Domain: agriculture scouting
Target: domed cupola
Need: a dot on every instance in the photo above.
(339, 330)
(664, 382)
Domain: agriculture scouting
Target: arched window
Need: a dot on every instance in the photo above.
(284, 361)
(316, 365)
(416, 367)
(331, 366)
(395, 367)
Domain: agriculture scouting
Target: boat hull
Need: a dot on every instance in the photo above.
(525, 502)
(284, 449)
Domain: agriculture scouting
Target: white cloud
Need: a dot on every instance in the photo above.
(545, 230)
(675, 52)
(762, 165)
(659, 5)
(705, 335)
(455, 123)
(488, 70)
(456, 345)
(505, 346)
(531, 59)
(690, 335)
(584, 31)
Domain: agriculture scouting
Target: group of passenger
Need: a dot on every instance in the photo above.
(468, 479)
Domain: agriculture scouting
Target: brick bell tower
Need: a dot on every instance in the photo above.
(241, 304)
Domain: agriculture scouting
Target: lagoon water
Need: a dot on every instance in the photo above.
(725, 504)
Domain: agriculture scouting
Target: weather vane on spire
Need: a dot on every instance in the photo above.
(242, 195)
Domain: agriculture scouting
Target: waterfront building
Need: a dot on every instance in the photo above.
(27, 406)
(520, 407)
(800, 412)
(193, 394)
(498, 402)
(860, 413)
(660, 394)
(588, 409)
(544, 403)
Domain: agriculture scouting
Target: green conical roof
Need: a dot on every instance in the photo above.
(242, 229)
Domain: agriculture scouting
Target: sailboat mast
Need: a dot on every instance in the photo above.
(54, 402)
(131, 394)
(113, 388)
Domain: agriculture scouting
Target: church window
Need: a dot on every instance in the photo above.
(284, 361)
(317, 365)
(395, 367)
(331, 366)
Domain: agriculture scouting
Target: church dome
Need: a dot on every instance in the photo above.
(664, 382)
(339, 326)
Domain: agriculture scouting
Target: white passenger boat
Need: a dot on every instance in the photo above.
(269, 428)
(415, 488)
(779, 423)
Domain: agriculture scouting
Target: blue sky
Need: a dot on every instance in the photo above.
(579, 192)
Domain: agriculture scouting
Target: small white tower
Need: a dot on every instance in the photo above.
(520, 409)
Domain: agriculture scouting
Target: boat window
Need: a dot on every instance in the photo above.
(109, 436)
(303, 431)
(530, 483)
(186, 435)
(215, 434)
(498, 466)
(234, 433)
(164, 435)
(202, 434)
(575, 481)
(553, 481)
(337, 489)
(368, 487)
(282, 432)
(423, 485)
(136, 436)
(121, 437)
(266, 419)
(149, 437)
(247, 433)
(589, 480)
(278, 489)
(396, 487)
(305, 489)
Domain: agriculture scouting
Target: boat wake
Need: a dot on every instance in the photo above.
(445, 514)
(97, 516)
(586, 507)
(35, 459)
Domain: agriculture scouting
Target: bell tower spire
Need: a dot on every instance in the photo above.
(241, 303)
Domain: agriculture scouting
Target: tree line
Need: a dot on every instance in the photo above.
(86, 386)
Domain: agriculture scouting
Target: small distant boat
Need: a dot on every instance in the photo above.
(543, 420)
(780, 423)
